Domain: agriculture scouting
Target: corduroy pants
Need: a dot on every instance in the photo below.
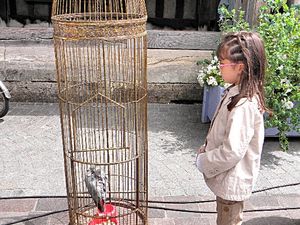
(229, 212)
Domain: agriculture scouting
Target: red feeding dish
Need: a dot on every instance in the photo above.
(108, 216)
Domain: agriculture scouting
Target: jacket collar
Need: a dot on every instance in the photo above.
(233, 90)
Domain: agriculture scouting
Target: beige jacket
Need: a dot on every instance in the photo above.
(231, 160)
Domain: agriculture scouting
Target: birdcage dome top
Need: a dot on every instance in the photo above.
(98, 19)
(98, 10)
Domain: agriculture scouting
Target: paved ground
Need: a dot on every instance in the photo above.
(31, 164)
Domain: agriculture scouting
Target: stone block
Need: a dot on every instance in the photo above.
(17, 205)
(181, 93)
(289, 200)
(11, 220)
(29, 71)
(32, 91)
(174, 66)
(164, 221)
(51, 204)
(179, 208)
(264, 202)
(156, 213)
(59, 219)
(192, 221)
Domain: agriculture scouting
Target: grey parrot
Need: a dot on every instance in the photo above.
(96, 183)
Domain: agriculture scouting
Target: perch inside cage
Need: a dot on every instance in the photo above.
(101, 53)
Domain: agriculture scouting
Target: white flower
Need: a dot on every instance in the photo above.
(214, 60)
(201, 72)
(200, 78)
(280, 67)
(211, 81)
(288, 90)
(284, 81)
(287, 104)
(209, 68)
(210, 74)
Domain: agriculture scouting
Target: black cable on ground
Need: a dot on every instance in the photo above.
(161, 208)
(275, 187)
(157, 207)
(212, 212)
(33, 196)
(152, 201)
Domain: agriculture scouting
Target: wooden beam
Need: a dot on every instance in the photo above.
(175, 23)
(4, 10)
(179, 9)
(159, 10)
(13, 8)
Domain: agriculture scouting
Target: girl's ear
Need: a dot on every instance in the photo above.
(241, 67)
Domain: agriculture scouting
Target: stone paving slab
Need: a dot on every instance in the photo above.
(31, 164)
(159, 216)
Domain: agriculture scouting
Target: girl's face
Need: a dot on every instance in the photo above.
(231, 72)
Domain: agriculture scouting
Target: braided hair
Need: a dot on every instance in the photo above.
(246, 48)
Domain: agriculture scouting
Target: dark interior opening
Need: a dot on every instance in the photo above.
(162, 14)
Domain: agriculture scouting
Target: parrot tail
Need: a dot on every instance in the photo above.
(101, 205)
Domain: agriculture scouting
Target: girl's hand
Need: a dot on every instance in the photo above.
(201, 149)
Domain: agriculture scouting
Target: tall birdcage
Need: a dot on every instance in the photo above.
(101, 59)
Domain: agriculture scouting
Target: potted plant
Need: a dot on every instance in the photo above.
(279, 26)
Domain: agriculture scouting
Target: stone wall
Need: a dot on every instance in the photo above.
(27, 67)
(28, 70)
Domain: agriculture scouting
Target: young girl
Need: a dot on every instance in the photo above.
(230, 157)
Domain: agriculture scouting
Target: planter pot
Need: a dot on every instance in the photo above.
(211, 98)
(273, 132)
